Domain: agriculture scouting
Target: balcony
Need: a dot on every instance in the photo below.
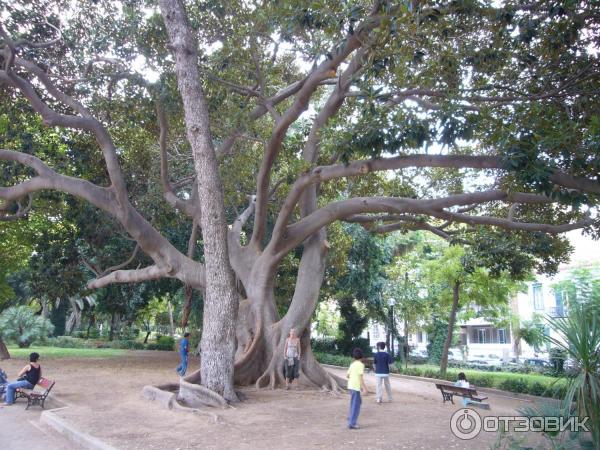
(556, 311)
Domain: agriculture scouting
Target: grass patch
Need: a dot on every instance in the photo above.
(57, 352)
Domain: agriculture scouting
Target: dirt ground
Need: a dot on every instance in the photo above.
(105, 400)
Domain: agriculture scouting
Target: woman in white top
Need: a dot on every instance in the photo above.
(462, 382)
(292, 353)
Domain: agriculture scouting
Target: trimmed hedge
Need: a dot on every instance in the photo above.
(553, 388)
(163, 343)
(333, 346)
(334, 360)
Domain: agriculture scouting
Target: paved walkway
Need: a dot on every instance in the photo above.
(21, 429)
(503, 403)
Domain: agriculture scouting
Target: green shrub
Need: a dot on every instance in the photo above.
(334, 360)
(93, 334)
(518, 385)
(166, 343)
(557, 358)
(537, 388)
(69, 342)
(324, 345)
(20, 324)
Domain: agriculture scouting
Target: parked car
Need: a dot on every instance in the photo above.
(538, 363)
(419, 353)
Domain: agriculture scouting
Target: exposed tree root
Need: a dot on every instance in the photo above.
(194, 395)
(166, 396)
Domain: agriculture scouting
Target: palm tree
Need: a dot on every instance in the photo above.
(579, 337)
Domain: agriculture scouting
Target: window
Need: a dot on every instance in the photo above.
(559, 297)
(538, 298)
(376, 332)
(420, 337)
(502, 336)
(481, 336)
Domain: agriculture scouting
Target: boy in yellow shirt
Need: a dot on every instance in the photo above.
(356, 385)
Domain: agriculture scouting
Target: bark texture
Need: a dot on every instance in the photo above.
(3, 350)
(451, 323)
(221, 302)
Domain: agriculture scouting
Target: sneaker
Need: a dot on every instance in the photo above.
(379, 400)
(353, 427)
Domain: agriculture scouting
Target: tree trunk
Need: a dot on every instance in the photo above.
(221, 301)
(451, 322)
(405, 349)
(147, 336)
(90, 323)
(111, 331)
(3, 350)
(45, 310)
(171, 324)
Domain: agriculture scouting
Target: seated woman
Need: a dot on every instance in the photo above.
(28, 377)
(463, 382)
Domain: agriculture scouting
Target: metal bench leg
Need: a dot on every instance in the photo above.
(447, 397)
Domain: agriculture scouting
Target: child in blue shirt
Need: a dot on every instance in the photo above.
(184, 350)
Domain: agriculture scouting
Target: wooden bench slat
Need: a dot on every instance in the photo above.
(36, 396)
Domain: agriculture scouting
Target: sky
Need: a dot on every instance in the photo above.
(586, 249)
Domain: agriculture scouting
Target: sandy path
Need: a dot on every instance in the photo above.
(106, 400)
(20, 429)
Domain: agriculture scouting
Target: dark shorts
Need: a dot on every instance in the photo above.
(291, 371)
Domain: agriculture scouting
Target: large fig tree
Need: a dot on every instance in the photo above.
(441, 116)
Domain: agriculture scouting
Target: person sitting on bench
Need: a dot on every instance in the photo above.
(462, 382)
(27, 378)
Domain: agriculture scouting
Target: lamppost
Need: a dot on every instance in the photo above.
(392, 303)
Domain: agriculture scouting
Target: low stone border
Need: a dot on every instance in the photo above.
(498, 392)
(51, 419)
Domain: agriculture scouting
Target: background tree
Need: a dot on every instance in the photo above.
(455, 276)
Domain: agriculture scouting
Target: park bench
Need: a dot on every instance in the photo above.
(450, 390)
(36, 396)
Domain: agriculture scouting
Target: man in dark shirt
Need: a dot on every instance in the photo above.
(382, 361)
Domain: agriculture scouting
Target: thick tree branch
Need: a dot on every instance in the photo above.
(511, 224)
(123, 264)
(129, 276)
(190, 207)
(343, 209)
(325, 70)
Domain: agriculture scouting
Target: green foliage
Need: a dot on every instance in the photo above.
(324, 345)
(532, 332)
(21, 325)
(579, 338)
(351, 325)
(437, 331)
(334, 360)
(166, 343)
(519, 383)
(557, 358)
